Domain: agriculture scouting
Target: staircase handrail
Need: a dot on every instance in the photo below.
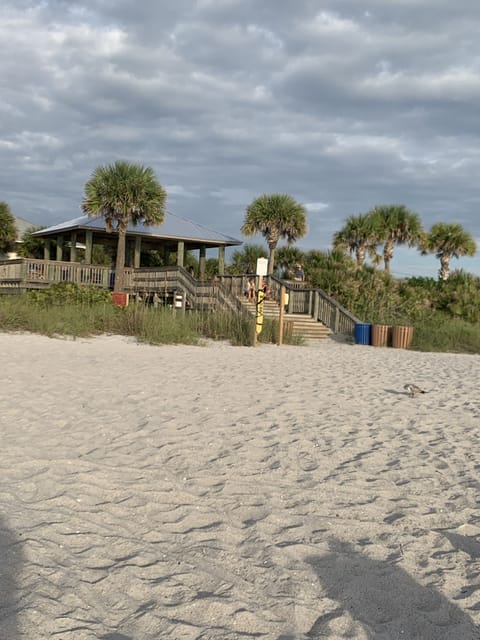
(317, 303)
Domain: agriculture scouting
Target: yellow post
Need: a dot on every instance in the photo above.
(281, 314)
(258, 311)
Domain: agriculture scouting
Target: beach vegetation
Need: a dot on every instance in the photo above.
(244, 260)
(276, 216)
(68, 309)
(31, 246)
(8, 229)
(287, 259)
(124, 193)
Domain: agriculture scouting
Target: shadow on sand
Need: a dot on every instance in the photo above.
(10, 564)
(384, 600)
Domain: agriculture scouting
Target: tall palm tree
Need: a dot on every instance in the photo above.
(358, 236)
(275, 216)
(447, 241)
(124, 193)
(395, 224)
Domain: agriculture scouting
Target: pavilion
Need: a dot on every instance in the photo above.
(176, 235)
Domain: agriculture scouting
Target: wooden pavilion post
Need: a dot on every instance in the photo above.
(202, 262)
(137, 251)
(59, 256)
(73, 246)
(88, 246)
(180, 253)
(47, 247)
(221, 261)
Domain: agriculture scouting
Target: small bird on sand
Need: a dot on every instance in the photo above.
(413, 390)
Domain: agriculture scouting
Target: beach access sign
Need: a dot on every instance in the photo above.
(262, 266)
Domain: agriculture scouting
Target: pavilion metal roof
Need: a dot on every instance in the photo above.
(173, 227)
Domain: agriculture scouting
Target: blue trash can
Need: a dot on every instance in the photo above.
(363, 333)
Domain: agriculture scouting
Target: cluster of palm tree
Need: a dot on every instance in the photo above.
(125, 193)
(391, 225)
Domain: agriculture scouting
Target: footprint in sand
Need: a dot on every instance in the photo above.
(306, 461)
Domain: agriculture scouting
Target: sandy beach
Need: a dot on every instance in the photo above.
(225, 493)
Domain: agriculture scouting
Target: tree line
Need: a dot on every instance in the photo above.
(124, 193)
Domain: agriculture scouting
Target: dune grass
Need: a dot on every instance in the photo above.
(80, 317)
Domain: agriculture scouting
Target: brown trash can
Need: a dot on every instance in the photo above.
(381, 335)
(402, 337)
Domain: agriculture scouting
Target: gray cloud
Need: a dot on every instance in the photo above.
(343, 106)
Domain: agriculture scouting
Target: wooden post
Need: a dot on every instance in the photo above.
(316, 301)
(73, 246)
(202, 262)
(281, 315)
(59, 248)
(258, 301)
(88, 246)
(47, 245)
(136, 252)
(180, 253)
(221, 261)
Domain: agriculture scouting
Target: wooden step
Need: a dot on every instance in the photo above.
(303, 324)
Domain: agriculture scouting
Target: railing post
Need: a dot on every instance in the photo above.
(316, 302)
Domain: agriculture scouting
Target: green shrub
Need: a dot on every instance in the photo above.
(69, 293)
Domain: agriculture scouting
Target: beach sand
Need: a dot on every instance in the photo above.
(223, 493)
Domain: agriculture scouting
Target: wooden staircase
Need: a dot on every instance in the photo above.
(301, 324)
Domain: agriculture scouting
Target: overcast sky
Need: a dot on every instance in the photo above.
(342, 104)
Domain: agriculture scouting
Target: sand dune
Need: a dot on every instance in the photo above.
(223, 493)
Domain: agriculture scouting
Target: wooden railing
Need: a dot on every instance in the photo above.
(302, 299)
(198, 295)
(29, 273)
(225, 292)
(316, 303)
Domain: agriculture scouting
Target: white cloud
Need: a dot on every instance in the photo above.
(315, 207)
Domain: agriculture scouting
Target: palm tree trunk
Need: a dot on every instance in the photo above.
(360, 255)
(387, 255)
(444, 272)
(120, 261)
(271, 259)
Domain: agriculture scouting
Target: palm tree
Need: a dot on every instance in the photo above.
(287, 259)
(358, 236)
(8, 229)
(124, 193)
(31, 247)
(275, 216)
(447, 241)
(395, 224)
(245, 260)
